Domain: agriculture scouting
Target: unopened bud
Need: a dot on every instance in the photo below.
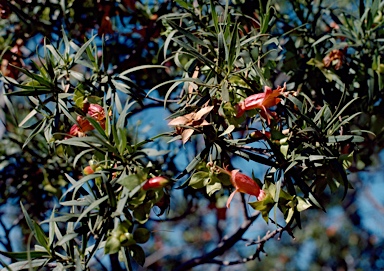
(155, 183)
(88, 170)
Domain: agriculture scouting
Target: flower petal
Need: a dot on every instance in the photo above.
(230, 198)
(204, 123)
(262, 195)
(254, 101)
(244, 184)
(186, 135)
(272, 99)
(233, 177)
(203, 112)
(178, 121)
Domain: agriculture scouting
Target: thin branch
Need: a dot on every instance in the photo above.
(222, 247)
(190, 210)
(260, 247)
(244, 203)
(7, 245)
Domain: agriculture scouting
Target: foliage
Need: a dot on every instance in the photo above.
(219, 75)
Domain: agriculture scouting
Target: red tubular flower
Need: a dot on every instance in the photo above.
(263, 101)
(244, 184)
(75, 131)
(155, 183)
(96, 112)
(334, 58)
(81, 128)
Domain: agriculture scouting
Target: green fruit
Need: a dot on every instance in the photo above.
(141, 235)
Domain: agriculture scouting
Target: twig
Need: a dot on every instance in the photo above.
(260, 247)
(190, 210)
(7, 245)
(222, 247)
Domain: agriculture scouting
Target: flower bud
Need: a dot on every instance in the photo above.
(155, 183)
(244, 184)
(88, 170)
(260, 135)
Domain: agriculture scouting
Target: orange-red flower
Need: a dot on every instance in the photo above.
(96, 112)
(244, 184)
(82, 126)
(263, 101)
(155, 183)
(12, 59)
(335, 57)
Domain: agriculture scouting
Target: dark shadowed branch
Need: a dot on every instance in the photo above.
(222, 247)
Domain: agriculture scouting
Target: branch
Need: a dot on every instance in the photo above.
(190, 210)
(7, 243)
(260, 247)
(222, 247)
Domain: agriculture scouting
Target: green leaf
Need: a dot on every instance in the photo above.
(28, 117)
(98, 127)
(82, 49)
(264, 206)
(77, 185)
(28, 218)
(228, 130)
(24, 255)
(137, 254)
(175, 82)
(40, 236)
(26, 264)
(339, 167)
(234, 47)
(81, 141)
(69, 236)
(199, 179)
(187, 34)
(142, 67)
(141, 213)
(81, 154)
(323, 38)
(255, 157)
(130, 182)
(40, 127)
(121, 140)
(154, 152)
(212, 188)
(91, 207)
(112, 245)
(302, 204)
(168, 40)
(339, 112)
(141, 235)
(214, 16)
(284, 150)
(191, 166)
(343, 122)
(342, 138)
